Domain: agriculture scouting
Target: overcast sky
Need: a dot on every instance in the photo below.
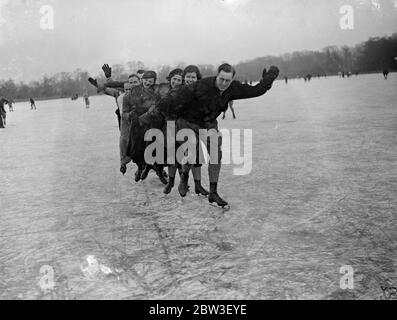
(88, 33)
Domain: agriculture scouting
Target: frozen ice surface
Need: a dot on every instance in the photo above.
(321, 195)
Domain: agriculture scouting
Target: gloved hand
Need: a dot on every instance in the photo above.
(271, 75)
(107, 70)
(93, 82)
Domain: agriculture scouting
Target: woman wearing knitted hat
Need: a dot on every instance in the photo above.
(135, 103)
(157, 120)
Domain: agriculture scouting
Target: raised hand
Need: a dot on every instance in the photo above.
(273, 72)
(271, 75)
(107, 70)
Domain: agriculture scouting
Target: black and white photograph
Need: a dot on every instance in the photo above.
(198, 150)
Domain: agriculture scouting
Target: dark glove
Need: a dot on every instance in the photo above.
(271, 75)
(93, 82)
(107, 70)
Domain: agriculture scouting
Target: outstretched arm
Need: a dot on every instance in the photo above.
(245, 91)
(115, 84)
(112, 92)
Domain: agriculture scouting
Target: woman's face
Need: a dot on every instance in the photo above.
(127, 87)
(134, 81)
(190, 77)
(147, 83)
(175, 81)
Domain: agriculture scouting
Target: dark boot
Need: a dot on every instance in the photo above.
(160, 173)
(198, 188)
(138, 173)
(183, 187)
(145, 172)
(180, 171)
(123, 169)
(214, 196)
(169, 186)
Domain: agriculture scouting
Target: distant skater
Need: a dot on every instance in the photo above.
(10, 105)
(286, 80)
(32, 104)
(2, 112)
(385, 73)
(87, 101)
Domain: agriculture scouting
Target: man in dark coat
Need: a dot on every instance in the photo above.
(199, 106)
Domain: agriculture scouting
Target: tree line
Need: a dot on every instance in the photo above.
(373, 55)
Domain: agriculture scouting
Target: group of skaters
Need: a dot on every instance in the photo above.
(3, 113)
(341, 74)
(10, 102)
(190, 102)
(86, 99)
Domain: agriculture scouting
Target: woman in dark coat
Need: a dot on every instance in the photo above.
(135, 103)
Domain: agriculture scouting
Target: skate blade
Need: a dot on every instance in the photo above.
(224, 208)
(199, 195)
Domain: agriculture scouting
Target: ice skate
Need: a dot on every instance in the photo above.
(138, 174)
(169, 186)
(199, 189)
(214, 197)
(145, 172)
(183, 187)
